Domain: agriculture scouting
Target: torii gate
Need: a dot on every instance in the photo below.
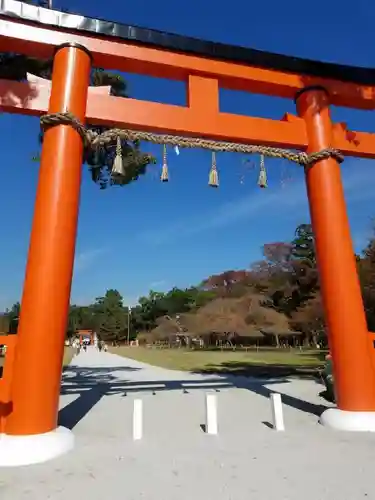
(84, 334)
(30, 388)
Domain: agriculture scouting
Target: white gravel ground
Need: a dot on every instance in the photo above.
(176, 460)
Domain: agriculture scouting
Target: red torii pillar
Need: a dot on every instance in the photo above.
(341, 293)
(31, 429)
(32, 425)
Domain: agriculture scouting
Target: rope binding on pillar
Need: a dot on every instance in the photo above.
(93, 140)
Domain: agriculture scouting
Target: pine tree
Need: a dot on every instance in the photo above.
(16, 66)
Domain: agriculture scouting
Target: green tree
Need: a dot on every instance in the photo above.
(366, 272)
(288, 273)
(303, 244)
(137, 322)
(150, 308)
(100, 161)
(110, 316)
(9, 320)
(175, 301)
(304, 273)
(80, 318)
(14, 311)
(199, 297)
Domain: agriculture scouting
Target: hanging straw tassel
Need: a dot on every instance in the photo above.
(213, 178)
(262, 179)
(118, 166)
(164, 171)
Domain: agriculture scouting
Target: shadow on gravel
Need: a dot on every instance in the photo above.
(90, 385)
(243, 373)
(260, 370)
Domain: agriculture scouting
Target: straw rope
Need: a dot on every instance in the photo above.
(92, 139)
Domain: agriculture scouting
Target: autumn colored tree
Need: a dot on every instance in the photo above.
(366, 271)
(284, 285)
(309, 319)
(228, 283)
(271, 276)
(288, 272)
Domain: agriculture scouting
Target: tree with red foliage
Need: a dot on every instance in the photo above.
(309, 319)
(228, 283)
(366, 271)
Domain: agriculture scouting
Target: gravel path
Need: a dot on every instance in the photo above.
(176, 460)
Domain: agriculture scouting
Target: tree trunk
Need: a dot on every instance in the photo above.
(277, 340)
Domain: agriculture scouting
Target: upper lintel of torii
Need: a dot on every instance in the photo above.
(205, 67)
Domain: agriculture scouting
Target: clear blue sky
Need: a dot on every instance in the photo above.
(153, 235)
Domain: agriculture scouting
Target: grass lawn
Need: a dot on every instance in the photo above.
(68, 356)
(276, 362)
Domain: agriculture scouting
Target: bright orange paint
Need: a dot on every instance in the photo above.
(46, 295)
(201, 117)
(34, 391)
(341, 293)
(40, 41)
(5, 382)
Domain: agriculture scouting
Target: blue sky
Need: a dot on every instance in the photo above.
(153, 235)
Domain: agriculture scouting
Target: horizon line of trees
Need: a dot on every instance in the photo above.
(286, 279)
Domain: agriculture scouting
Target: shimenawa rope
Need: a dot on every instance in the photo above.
(91, 139)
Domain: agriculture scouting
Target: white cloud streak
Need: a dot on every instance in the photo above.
(158, 284)
(85, 259)
(358, 178)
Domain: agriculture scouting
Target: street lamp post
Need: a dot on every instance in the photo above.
(129, 313)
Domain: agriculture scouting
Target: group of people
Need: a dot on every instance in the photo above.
(100, 345)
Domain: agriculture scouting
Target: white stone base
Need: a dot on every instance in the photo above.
(355, 421)
(34, 449)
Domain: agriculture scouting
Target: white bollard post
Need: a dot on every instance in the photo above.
(277, 412)
(137, 419)
(211, 414)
